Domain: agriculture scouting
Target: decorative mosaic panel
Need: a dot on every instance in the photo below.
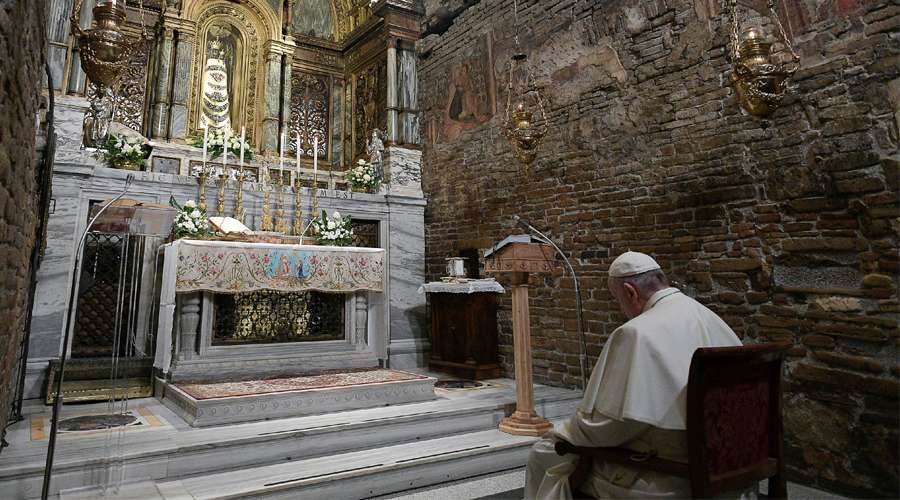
(272, 317)
(310, 98)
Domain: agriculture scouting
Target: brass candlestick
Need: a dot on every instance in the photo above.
(201, 196)
(315, 196)
(220, 200)
(280, 222)
(239, 197)
(266, 224)
(298, 208)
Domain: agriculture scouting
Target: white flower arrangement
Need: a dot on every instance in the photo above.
(125, 151)
(216, 143)
(190, 221)
(335, 230)
(362, 176)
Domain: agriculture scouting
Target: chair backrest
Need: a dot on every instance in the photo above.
(734, 424)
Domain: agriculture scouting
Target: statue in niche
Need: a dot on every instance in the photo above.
(314, 18)
(375, 149)
(218, 87)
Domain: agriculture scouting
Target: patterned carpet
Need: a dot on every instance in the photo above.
(320, 381)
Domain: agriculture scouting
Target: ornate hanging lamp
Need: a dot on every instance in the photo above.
(105, 52)
(758, 74)
(522, 128)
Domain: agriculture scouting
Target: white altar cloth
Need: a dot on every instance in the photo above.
(473, 286)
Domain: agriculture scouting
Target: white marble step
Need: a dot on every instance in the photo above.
(355, 475)
(181, 451)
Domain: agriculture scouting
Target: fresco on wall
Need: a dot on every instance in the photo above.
(314, 18)
(469, 98)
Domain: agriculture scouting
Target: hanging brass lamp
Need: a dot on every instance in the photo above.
(522, 128)
(105, 52)
(758, 75)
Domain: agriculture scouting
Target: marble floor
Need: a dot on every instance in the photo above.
(408, 445)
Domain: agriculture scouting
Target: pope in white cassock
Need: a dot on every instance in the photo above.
(636, 395)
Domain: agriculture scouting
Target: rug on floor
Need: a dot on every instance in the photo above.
(304, 383)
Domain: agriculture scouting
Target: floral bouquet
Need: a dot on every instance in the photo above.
(216, 144)
(332, 230)
(125, 151)
(362, 176)
(190, 221)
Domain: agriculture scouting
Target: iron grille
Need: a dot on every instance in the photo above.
(365, 233)
(275, 317)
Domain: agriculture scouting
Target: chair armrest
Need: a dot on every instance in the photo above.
(623, 456)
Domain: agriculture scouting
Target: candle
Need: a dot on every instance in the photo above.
(281, 157)
(205, 143)
(225, 151)
(243, 135)
(298, 155)
(315, 157)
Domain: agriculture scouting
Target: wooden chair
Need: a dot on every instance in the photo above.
(734, 426)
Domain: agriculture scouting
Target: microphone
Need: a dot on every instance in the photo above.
(536, 234)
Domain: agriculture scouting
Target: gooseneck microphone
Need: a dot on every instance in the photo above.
(582, 357)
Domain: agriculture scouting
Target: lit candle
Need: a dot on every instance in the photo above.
(315, 158)
(205, 143)
(243, 135)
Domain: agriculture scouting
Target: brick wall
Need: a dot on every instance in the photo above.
(787, 227)
(22, 53)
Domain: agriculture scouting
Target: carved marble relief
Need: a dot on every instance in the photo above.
(469, 98)
(314, 18)
(310, 98)
(370, 109)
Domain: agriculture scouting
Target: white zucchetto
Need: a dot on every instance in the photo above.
(631, 263)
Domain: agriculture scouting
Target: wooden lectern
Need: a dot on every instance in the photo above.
(516, 257)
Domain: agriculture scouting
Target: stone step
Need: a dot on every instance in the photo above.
(210, 411)
(352, 475)
(178, 453)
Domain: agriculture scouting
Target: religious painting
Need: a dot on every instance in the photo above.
(469, 98)
(310, 98)
(314, 18)
(370, 111)
(219, 107)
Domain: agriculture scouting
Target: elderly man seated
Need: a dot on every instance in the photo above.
(636, 395)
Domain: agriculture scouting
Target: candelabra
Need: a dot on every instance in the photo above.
(298, 208)
(266, 224)
(239, 197)
(280, 222)
(220, 199)
(201, 181)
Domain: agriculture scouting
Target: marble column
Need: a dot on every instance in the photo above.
(392, 103)
(403, 171)
(77, 77)
(162, 99)
(409, 95)
(408, 321)
(58, 30)
(277, 110)
(178, 111)
(189, 320)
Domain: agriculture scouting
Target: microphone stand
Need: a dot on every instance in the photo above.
(582, 357)
(57, 403)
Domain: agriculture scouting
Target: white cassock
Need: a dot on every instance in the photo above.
(636, 399)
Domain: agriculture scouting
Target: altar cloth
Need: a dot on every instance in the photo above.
(232, 266)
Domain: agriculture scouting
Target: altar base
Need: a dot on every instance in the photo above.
(221, 403)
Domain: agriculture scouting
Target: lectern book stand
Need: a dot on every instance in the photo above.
(514, 259)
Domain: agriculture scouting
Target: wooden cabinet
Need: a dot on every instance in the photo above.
(464, 334)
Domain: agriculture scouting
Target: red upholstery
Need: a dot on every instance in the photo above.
(736, 422)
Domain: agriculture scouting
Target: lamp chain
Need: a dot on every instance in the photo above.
(787, 41)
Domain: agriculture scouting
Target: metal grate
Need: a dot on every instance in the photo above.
(99, 287)
(365, 233)
(275, 317)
